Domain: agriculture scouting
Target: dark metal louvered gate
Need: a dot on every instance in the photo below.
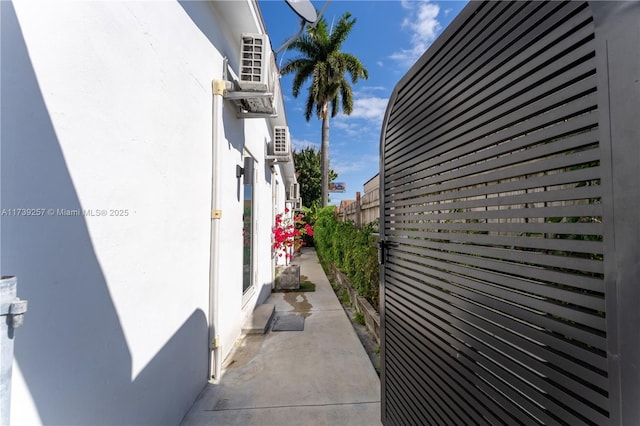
(510, 284)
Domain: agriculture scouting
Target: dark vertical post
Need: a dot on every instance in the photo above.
(381, 239)
(617, 40)
(358, 218)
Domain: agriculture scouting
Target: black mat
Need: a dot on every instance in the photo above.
(289, 322)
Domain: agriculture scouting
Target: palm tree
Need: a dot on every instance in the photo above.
(322, 62)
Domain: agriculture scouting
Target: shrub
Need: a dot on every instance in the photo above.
(351, 250)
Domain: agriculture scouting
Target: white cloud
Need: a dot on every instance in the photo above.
(300, 144)
(344, 166)
(424, 27)
(350, 128)
(372, 109)
(368, 108)
(366, 90)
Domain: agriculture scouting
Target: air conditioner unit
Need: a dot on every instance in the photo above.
(255, 84)
(255, 53)
(294, 191)
(281, 144)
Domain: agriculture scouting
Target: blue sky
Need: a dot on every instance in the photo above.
(388, 37)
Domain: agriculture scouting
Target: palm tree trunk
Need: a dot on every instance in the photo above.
(324, 148)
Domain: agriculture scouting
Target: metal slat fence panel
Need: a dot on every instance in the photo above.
(493, 297)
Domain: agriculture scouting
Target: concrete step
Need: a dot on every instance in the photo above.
(258, 321)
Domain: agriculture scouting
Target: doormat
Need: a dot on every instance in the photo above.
(290, 322)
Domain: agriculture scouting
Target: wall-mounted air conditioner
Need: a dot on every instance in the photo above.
(255, 83)
(294, 191)
(279, 149)
(281, 144)
(293, 196)
(254, 63)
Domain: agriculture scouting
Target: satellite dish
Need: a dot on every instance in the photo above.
(304, 9)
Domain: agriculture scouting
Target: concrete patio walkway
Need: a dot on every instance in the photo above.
(318, 376)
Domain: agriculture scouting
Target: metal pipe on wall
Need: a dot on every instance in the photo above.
(215, 362)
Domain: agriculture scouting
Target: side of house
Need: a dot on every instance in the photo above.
(128, 215)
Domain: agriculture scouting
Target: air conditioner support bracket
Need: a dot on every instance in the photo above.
(267, 110)
(241, 113)
(296, 204)
(277, 158)
(238, 95)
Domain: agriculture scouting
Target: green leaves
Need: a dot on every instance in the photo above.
(351, 250)
(308, 166)
(321, 64)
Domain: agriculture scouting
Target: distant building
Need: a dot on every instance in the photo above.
(109, 113)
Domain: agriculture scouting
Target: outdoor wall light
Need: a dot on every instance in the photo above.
(246, 171)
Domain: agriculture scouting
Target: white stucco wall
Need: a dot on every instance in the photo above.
(268, 189)
(251, 136)
(107, 106)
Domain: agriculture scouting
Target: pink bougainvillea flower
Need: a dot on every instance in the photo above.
(288, 232)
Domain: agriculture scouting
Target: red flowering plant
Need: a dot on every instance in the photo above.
(288, 232)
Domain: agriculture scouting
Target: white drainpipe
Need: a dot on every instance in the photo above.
(215, 348)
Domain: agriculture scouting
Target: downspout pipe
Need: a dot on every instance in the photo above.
(219, 87)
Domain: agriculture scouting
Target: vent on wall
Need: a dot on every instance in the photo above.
(279, 149)
(255, 85)
(294, 191)
(294, 196)
(254, 65)
(281, 144)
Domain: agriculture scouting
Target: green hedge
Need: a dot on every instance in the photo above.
(352, 250)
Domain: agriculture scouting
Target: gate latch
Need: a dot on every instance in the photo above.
(383, 246)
